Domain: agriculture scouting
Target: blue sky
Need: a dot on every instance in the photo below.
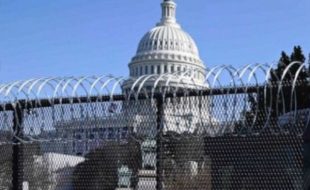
(95, 37)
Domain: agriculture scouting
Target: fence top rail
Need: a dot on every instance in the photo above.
(40, 103)
(220, 80)
(44, 102)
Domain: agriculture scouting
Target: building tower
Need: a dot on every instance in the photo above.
(167, 49)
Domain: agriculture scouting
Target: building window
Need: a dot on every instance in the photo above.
(78, 137)
(102, 133)
(81, 130)
(165, 69)
(146, 70)
(141, 71)
(87, 146)
(172, 68)
(124, 133)
(92, 136)
(137, 71)
(152, 69)
(158, 69)
(111, 134)
(74, 147)
(190, 73)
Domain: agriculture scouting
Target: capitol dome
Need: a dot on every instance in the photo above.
(167, 48)
(169, 39)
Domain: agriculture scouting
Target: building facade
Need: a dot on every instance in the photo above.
(167, 50)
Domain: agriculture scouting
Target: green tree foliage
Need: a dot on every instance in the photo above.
(99, 171)
(285, 101)
(284, 61)
(276, 101)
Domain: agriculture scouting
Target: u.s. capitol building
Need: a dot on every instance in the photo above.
(167, 59)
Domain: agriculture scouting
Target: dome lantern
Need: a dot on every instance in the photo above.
(168, 13)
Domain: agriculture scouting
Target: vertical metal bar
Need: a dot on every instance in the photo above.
(17, 166)
(159, 114)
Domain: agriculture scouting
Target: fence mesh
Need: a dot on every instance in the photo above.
(219, 140)
(6, 148)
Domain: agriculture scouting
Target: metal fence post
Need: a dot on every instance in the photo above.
(17, 165)
(159, 115)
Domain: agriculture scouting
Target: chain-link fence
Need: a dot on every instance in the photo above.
(63, 134)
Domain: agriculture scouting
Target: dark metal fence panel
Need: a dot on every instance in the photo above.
(6, 157)
(256, 162)
(213, 138)
(222, 142)
(89, 145)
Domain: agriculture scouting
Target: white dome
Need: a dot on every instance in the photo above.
(166, 48)
(168, 39)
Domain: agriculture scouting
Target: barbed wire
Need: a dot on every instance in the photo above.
(223, 83)
(58, 87)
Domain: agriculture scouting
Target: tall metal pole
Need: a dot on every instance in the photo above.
(159, 114)
(17, 165)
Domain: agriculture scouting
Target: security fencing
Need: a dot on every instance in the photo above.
(235, 131)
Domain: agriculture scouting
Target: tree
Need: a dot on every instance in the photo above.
(284, 61)
(286, 100)
(180, 151)
(276, 101)
(298, 55)
(99, 171)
